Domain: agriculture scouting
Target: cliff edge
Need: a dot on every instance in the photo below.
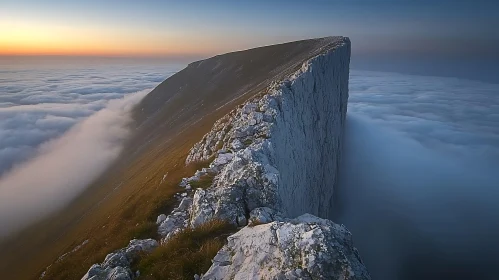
(272, 173)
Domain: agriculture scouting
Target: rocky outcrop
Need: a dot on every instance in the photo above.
(116, 265)
(303, 248)
(247, 182)
(176, 221)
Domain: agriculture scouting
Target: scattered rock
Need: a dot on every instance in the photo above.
(237, 144)
(263, 215)
(247, 182)
(160, 219)
(176, 221)
(116, 265)
(97, 272)
(223, 159)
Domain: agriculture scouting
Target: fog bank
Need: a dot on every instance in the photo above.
(63, 167)
(415, 214)
(419, 177)
(40, 99)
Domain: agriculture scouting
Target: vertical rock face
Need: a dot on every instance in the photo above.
(307, 133)
(285, 149)
(291, 134)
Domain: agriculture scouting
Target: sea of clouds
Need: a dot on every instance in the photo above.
(419, 183)
(420, 176)
(60, 127)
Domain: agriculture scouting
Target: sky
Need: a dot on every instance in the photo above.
(412, 140)
(202, 28)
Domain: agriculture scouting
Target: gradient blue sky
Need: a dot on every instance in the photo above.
(177, 28)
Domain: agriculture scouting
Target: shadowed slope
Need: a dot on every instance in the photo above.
(207, 85)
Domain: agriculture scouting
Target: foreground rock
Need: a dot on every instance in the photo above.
(176, 221)
(303, 248)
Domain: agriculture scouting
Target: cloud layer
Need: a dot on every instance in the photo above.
(419, 182)
(38, 103)
(63, 167)
(59, 129)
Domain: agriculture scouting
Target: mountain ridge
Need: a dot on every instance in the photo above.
(163, 135)
(270, 160)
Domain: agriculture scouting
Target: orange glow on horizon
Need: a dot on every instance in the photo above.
(30, 39)
(9, 48)
(84, 50)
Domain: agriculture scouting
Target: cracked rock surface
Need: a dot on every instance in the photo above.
(176, 221)
(307, 247)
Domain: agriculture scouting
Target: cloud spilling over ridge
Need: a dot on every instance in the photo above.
(64, 166)
(62, 121)
(41, 102)
(419, 178)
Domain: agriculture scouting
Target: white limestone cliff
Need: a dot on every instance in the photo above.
(307, 133)
(284, 146)
(275, 158)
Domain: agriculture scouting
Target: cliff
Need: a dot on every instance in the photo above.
(272, 173)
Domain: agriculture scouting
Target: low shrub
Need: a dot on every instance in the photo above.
(204, 182)
(247, 142)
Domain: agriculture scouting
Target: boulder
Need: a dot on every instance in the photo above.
(307, 247)
(160, 219)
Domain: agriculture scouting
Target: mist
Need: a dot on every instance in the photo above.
(419, 182)
(62, 167)
(42, 98)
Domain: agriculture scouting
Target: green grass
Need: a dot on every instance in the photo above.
(204, 182)
(219, 146)
(254, 223)
(134, 219)
(188, 253)
(144, 230)
(247, 142)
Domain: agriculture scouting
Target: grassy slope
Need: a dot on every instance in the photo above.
(188, 253)
(129, 212)
(123, 215)
(124, 203)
